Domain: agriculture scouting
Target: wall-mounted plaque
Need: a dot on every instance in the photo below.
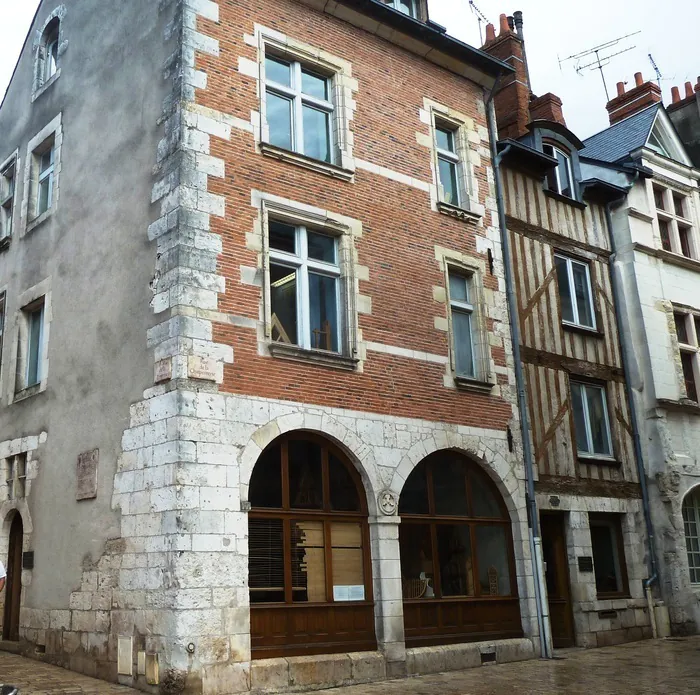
(585, 563)
(86, 479)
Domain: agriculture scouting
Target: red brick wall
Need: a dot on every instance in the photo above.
(400, 230)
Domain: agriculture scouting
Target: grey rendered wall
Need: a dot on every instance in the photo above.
(98, 262)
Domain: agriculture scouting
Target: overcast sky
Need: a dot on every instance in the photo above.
(554, 29)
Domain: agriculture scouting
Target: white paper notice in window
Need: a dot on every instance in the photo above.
(349, 593)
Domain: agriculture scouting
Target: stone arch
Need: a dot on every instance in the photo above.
(361, 455)
(52, 23)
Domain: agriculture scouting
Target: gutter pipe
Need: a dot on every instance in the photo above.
(543, 623)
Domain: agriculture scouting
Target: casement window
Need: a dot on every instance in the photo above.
(305, 288)
(448, 164)
(462, 308)
(673, 217)
(409, 7)
(691, 525)
(575, 292)
(688, 335)
(591, 420)
(608, 555)
(16, 472)
(45, 170)
(560, 179)
(47, 54)
(299, 108)
(8, 186)
(35, 326)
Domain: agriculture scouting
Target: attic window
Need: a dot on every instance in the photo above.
(409, 7)
(560, 180)
(655, 144)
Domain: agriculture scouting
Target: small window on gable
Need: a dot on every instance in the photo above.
(8, 185)
(560, 179)
(47, 54)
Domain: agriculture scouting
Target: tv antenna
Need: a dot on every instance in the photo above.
(601, 57)
(656, 70)
(481, 17)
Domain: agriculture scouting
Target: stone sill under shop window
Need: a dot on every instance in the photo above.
(565, 199)
(468, 384)
(320, 357)
(331, 170)
(460, 213)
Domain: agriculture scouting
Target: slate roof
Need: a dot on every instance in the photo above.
(616, 142)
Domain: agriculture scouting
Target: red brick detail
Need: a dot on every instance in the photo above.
(548, 107)
(640, 97)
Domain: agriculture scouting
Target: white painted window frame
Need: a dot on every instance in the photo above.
(453, 158)
(674, 221)
(587, 420)
(299, 100)
(569, 169)
(38, 308)
(572, 292)
(691, 502)
(45, 178)
(464, 308)
(414, 4)
(8, 202)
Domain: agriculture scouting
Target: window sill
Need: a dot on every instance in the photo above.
(468, 384)
(28, 393)
(600, 460)
(565, 199)
(46, 85)
(38, 221)
(301, 160)
(583, 330)
(5, 243)
(458, 212)
(320, 357)
(684, 404)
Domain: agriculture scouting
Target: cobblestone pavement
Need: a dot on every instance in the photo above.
(665, 667)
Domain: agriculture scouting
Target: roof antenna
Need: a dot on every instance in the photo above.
(656, 70)
(481, 17)
(600, 61)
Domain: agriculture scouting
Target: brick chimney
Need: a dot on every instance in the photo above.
(677, 101)
(548, 107)
(641, 96)
(512, 101)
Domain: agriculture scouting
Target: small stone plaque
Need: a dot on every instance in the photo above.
(585, 563)
(87, 475)
(203, 368)
(163, 371)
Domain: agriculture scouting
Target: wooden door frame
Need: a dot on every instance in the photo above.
(13, 588)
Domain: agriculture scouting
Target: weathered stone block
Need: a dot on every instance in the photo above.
(514, 650)
(328, 670)
(225, 679)
(367, 666)
(461, 656)
(425, 660)
(269, 675)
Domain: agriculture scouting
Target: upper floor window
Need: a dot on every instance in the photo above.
(45, 170)
(8, 185)
(575, 292)
(299, 108)
(3, 312)
(448, 164)
(591, 420)
(688, 334)
(409, 7)
(16, 476)
(673, 215)
(34, 316)
(304, 279)
(462, 315)
(47, 54)
(560, 179)
(691, 524)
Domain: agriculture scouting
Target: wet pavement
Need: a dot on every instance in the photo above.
(662, 667)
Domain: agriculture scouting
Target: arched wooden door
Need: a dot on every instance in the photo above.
(13, 589)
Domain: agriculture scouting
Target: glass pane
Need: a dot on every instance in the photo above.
(492, 554)
(314, 85)
(46, 160)
(455, 558)
(659, 198)
(464, 347)
(678, 205)
(317, 135)
(305, 475)
(583, 299)
(43, 202)
(684, 238)
(567, 308)
(417, 572)
(483, 499)
(564, 175)
(407, 7)
(665, 233)
(323, 312)
(607, 578)
(689, 376)
(448, 181)
(344, 494)
(34, 352)
(308, 562)
(266, 481)
(598, 421)
(579, 419)
(414, 496)
(279, 118)
(348, 562)
(51, 58)
(278, 71)
(697, 330)
(450, 487)
(459, 288)
(681, 327)
(266, 560)
(283, 304)
(283, 237)
(321, 247)
(445, 139)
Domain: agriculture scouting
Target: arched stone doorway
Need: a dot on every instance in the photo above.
(13, 588)
(457, 562)
(309, 556)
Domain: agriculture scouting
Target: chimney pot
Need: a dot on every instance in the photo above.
(675, 95)
(638, 79)
(490, 32)
(688, 90)
(511, 23)
(504, 28)
(639, 97)
(620, 89)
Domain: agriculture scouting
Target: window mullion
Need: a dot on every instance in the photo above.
(298, 110)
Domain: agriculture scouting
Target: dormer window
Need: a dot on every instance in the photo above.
(560, 180)
(409, 7)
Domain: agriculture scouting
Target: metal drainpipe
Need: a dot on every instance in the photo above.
(532, 513)
(641, 472)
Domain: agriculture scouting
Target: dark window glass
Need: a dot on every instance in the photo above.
(283, 301)
(266, 560)
(266, 481)
(659, 198)
(283, 237)
(697, 329)
(678, 205)
(564, 168)
(483, 499)
(305, 475)
(36, 320)
(417, 571)
(317, 133)
(321, 247)
(582, 444)
(445, 139)
(449, 485)
(344, 497)
(455, 557)
(414, 497)
(606, 556)
(665, 233)
(279, 118)
(689, 376)
(684, 238)
(323, 312)
(492, 554)
(681, 327)
(567, 307)
(314, 85)
(448, 181)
